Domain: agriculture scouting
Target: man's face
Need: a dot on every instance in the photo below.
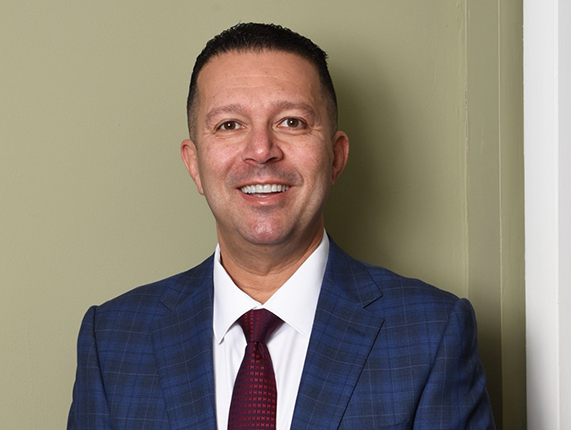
(263, 153)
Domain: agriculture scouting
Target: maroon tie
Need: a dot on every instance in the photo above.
(254, 397)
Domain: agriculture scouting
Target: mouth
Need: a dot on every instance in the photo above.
(264, 188)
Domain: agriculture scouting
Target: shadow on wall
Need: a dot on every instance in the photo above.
(360, 200)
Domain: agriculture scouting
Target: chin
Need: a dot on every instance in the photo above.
(267, 236)
(265, 240)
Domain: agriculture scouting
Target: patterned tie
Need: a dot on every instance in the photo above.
(254, 397)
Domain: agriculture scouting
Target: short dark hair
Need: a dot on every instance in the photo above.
(256, 37)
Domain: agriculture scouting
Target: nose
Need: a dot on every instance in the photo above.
(262, 147)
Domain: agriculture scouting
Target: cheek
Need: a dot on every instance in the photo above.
(318, 165)
(214, 168)
(219, 157)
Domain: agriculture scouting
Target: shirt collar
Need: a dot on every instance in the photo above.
(295, 302)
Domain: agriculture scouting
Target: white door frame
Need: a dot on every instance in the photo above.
(547, 151)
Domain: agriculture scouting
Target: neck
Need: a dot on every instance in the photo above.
(260, 270)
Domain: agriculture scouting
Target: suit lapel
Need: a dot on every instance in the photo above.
(342, 337)
(183, 350)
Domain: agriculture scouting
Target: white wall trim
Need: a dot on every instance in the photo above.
(547, 131)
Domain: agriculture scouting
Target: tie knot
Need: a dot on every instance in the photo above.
(258, 324)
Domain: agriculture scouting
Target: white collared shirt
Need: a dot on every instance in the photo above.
(295, 303)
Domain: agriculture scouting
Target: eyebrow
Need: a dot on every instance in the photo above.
(223, 109)
(305, 107)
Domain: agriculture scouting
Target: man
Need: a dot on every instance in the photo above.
(351, 346)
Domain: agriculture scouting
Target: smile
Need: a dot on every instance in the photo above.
(264, 189)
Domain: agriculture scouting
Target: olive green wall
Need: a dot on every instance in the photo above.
(94, 199)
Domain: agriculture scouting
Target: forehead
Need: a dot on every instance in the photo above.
(258, 72)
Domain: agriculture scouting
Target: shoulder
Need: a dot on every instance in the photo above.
(377, 286)
(414, 303)
(397, 289)
(143, 305)
(409, 307)
(419, 312)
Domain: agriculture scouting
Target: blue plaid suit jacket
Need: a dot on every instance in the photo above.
(386, 352)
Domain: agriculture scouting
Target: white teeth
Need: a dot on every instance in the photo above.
(264, 189)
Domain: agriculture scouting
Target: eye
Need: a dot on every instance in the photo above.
(292, 123)
(229, 126)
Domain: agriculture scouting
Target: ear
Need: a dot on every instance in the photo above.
(189, 154)
(340, 154)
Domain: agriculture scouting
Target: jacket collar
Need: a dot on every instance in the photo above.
(182, 343)
(342, 337)
(341, 340)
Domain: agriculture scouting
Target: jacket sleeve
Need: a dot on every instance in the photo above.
(89, 409)
(455, 396)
